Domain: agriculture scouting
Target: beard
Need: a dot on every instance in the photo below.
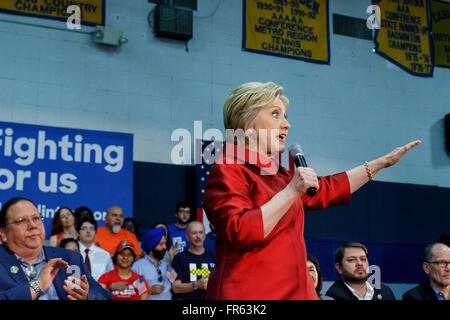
(116, 228)
(158, 254)
(350, 278)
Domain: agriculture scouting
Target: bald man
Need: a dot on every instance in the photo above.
(109, 236)
(193, 266)
(436, 264)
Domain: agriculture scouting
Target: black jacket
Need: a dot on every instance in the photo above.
(421, 292)
(339, 291)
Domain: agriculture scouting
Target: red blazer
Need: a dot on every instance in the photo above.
(247, 265)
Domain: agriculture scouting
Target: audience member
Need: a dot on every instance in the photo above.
(82, 212)
(36, 271)
(168, 256)
(317, 278)
(178, 229)
(352, 264)
(131, 225)
(210, 241)
(63, 226)
(70, 244)
(109, 236)
(122, 282)
(436, 264)
(97, 260)
(152, 267)
(193, 265)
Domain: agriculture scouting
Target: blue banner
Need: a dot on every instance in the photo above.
(61, 167)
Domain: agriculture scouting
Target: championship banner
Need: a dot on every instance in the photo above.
(92, 12)
(295, 29)
(440, 26)
(404, 37)
(61, 167)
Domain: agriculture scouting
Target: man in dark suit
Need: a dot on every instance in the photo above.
(353, 266)
(30, 270)
(436, 264)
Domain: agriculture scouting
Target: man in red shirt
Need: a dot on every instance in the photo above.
(109, 236)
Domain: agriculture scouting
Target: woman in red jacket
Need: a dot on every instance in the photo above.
(257, 206)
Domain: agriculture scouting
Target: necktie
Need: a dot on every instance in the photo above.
(87, 261)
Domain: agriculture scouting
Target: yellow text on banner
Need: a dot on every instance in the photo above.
(404, 37)
(92, 11)
(440, 26)
(295, 28)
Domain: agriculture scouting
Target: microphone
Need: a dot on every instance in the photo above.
(297, 153)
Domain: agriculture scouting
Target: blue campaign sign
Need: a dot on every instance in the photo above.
(62, 167)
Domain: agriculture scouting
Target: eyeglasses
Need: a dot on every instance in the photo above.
(186, 211)
(442, 264)
(22, 222)
(87, 228)
(160, 278)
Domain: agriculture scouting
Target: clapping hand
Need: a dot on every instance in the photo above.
(77, 289)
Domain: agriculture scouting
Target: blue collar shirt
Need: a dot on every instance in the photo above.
(148, 268)
(439, 294)
(50, 293)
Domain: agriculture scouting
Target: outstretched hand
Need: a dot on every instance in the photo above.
(395, 155)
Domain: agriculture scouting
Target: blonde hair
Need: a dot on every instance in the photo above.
(242, 105)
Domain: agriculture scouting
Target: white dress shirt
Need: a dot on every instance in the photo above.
(369, 293)
(100, 260)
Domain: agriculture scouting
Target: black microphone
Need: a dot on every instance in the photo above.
(296, 152)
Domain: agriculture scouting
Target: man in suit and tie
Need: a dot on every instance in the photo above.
(436, 264)
(352, 264)
(30, 270)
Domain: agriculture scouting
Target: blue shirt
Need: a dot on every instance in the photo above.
(178, 235)
(50, 293)
(439, 294)
(147, 267)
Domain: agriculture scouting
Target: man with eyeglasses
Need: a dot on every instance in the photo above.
(154, 269)
(436, 264)
(177, 230)
(29, 270)
(97, 260)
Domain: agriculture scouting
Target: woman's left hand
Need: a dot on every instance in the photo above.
(395, 155)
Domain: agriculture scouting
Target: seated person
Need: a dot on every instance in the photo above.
(36, 271)
(436, 264)
(70, 244)
(350, 261)
(314, 270)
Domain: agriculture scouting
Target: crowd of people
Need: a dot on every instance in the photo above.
(170, 262)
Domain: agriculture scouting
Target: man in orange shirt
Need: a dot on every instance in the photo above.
(109, 236)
